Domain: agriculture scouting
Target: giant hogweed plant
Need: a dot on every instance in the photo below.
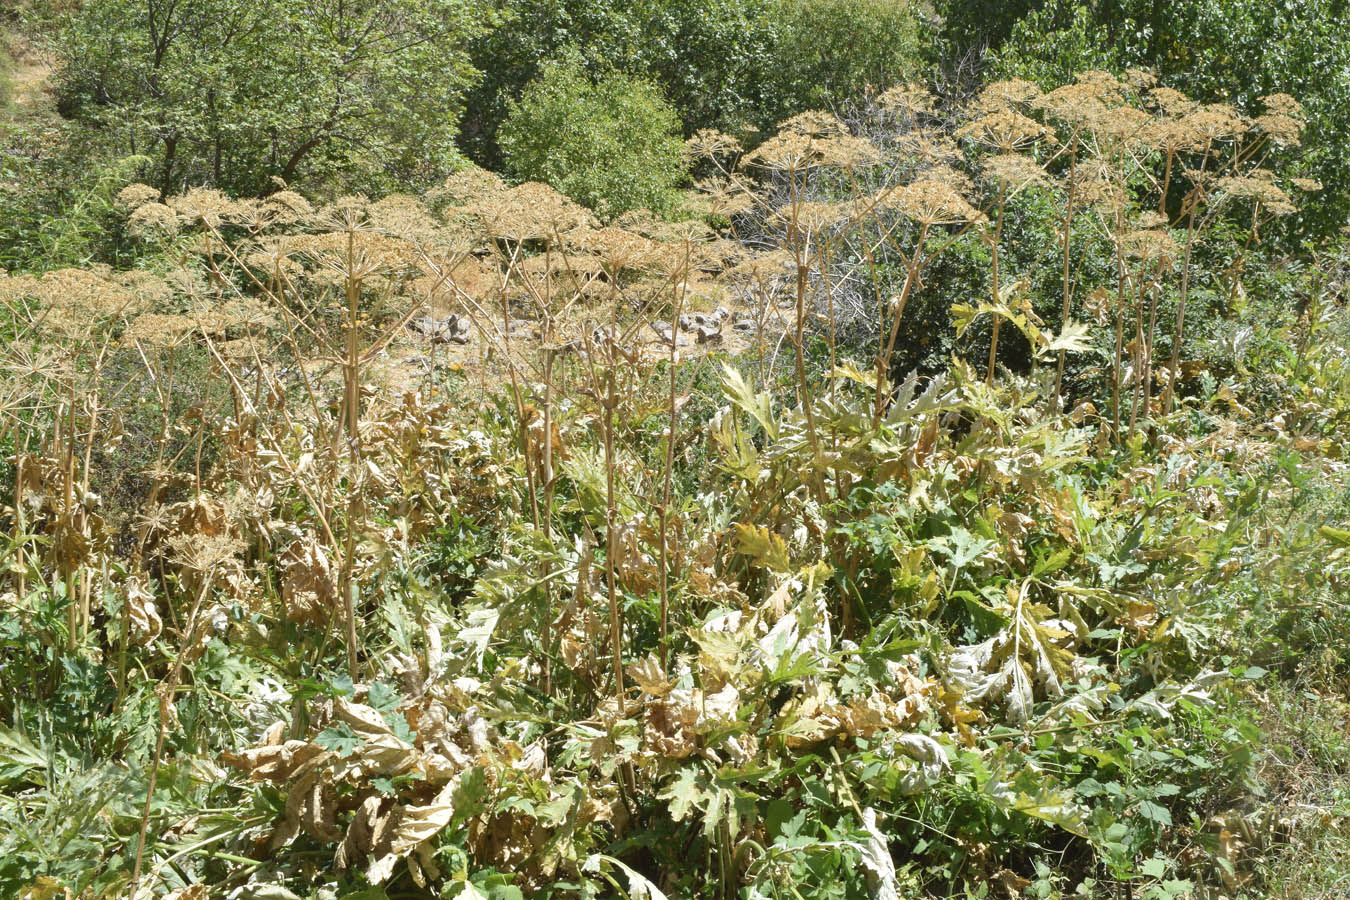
(850, 634)
(1137, 174)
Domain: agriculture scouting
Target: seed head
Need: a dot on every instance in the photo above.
(1005, 130)
(930, 202)
(1013, 170)
(1007, 94)
(134, 195)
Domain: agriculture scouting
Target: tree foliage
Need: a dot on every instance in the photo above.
(730, 64)
(232, 93)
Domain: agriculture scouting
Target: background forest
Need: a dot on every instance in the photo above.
(642, 448)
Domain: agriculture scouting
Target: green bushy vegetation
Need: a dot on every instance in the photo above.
(612, 144)
(783, 478)
(737, 65)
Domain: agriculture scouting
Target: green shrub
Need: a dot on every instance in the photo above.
(735, 65)
(610, 143)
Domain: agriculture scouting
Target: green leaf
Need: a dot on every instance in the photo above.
(759, 406)
(340, 739)
(684, 794)
(398, 723)
(382, 697)
(1153, 868)
(1338, 536)
(1155, 812)
(478, 632)
(374, 892)
(1072, 338)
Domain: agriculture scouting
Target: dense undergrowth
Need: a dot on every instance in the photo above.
(598, 615)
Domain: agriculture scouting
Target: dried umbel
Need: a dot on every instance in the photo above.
(531, 211)
(1171, 101)
(1282, 121)
(908, 98)
(1108, 86)
(709, 143)
(1013, 171)
(1076, 104)
(930, 148)
(76, 302)
(1123, 125)
(211, 207)
(1150, 244)
(725, 196)
(1260, 186)
(1006, 130)
(1001, 95)
(1215, 122)
(762, 268)
(1098, 184)
(617, 249)
(1172, 135)
(362, 254)
(1140, 79)
(136, 195)
(812, 217)
(930, 202)
(151, 221)
(468, 186)
(810, 140)
(287, 208)
(401, 216)
(159, 330)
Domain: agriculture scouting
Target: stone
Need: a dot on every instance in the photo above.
(425, 325)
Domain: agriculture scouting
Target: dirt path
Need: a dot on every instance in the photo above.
(27, 73)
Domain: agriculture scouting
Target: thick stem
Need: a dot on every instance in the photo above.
(352, 371)
(1175, 364)
(994, 282)
(1065, 237)
(666, 483)
(884, 357)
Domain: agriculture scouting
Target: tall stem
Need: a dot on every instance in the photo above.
(666, 478)
(994, 281)
(884, 357)
(1067, 287)
(352, 378)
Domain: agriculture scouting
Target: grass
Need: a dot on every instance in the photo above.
(1305, 769)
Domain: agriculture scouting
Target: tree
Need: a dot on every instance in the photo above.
(736, 65)
(610, 143)
(828, 51)
(232, 92)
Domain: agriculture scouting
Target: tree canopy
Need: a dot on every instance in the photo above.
(234, 92)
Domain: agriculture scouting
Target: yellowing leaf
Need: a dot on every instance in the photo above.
(763, 546)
